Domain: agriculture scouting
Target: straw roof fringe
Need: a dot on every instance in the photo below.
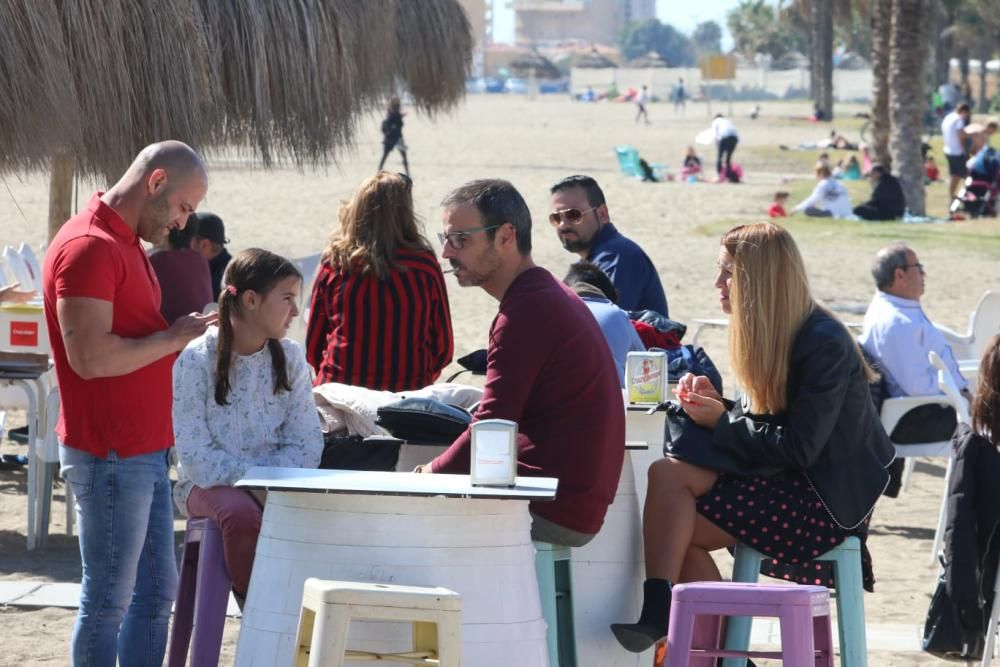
(280, 79)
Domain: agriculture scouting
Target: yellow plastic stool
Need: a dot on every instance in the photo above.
(328, 607)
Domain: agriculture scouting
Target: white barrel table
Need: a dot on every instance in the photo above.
(400, 528)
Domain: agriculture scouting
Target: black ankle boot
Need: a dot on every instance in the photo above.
(652, 624)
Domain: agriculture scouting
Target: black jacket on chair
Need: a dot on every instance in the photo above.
(829, 431)
(972, 533)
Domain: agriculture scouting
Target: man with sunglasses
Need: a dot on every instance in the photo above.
(898, 336)
(548, 367)
(583, 225)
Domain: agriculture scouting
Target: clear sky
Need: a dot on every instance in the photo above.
(682, 14)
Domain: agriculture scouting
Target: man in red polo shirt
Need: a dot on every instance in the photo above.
(548, 367)
(113, 355)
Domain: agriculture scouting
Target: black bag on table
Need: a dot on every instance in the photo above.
(424, 420)
(343, 451)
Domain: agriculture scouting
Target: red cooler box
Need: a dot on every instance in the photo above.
(22, 328)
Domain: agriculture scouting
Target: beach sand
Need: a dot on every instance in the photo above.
(533, 143)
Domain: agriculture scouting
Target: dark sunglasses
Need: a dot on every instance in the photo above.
(571, 216)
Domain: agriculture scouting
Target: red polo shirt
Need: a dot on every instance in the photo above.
(96, 255)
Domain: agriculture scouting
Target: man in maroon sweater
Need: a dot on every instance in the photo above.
(548, 367)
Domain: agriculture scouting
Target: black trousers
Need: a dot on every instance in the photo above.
(869, 212)
(726, 147)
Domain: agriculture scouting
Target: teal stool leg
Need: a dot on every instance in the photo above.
(555, 589)
(850, 602)
(746, 570)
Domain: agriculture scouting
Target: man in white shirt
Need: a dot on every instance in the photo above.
(640, 103)
(828, 199)
(954, 145)
(898, 335)
(726, 138)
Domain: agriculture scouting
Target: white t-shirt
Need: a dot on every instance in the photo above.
(951, 132)
(640, 98)
(722, 128)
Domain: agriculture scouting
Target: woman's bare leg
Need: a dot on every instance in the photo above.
(669, 517)
(698, 562)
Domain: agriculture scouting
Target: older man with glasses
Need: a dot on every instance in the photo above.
(548, 367)
(581, 220)
(898, 335)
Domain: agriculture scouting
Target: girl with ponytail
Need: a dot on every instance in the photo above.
(243, 398)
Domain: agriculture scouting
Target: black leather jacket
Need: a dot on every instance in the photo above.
(829, 431)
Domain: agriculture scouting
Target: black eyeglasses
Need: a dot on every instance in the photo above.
(457, 239)
(920, 267)
(571, 216)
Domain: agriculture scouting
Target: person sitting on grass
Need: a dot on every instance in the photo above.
(777, 209)
(828, 199)
(243, 398)
(887, 202)
(691, 167)
(794, 468)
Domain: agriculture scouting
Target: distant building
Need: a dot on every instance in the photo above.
(480, 17)
(540, 21)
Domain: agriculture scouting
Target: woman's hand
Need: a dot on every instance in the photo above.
(703, 410)
(11, 294)
(698, 384)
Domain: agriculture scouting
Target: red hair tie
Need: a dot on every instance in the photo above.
(231, 290)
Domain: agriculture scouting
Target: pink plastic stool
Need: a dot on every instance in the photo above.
(697, 610)
(202, 597)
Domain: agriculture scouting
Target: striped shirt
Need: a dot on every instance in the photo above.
(393, 334)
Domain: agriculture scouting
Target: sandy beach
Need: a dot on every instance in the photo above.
(533, 143)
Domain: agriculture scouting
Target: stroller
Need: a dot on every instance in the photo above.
(978, 196)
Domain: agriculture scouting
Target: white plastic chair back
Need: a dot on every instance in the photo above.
(308, 266)
(31, 261)
(985, 322)
(991, 625)
(946, 382)
(17, 267)
(50, 447)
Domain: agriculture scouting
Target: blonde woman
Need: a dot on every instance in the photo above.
(379, 315)
(812, 450)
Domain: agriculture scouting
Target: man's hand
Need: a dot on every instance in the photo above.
(10, 294)
(424, 468)
(188, 327)
(702, 409)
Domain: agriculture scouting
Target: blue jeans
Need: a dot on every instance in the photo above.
(126, 523)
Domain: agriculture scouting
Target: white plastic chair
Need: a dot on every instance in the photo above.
(308, 266)
(31, 262)
(991, 626)
(893, 410)
(984, 322)
(17, 267)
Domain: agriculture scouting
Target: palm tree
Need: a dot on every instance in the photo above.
(906, 98)
(821, 15)
(881, 25)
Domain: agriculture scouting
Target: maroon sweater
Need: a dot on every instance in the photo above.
(549, 370)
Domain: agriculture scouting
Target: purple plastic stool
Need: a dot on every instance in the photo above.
(202, 597)
(696, 612)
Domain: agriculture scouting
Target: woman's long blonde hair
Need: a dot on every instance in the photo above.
(378, 221)
(770, 300)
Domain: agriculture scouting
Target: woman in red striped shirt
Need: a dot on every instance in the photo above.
(379, 316)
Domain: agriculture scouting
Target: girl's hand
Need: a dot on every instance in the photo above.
(703, 410)
(701, 385)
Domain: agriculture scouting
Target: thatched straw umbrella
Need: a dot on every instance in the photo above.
(651, 60)
(88, 83)
(536, 64)
(592, 60)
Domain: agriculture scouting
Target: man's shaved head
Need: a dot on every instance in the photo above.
(175, 157)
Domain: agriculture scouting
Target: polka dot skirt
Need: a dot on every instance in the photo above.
(784, 519)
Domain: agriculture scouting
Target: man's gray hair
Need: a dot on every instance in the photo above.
(887, 261)
(498, 202)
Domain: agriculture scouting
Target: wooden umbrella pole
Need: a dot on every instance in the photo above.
(60, 192)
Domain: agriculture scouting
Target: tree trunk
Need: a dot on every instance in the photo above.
(982, 102)
(821, 15)
(60, 193)
(881, 25)
(941, 43)
(906, 99)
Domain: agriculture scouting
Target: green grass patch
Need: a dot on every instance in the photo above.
(980, 237)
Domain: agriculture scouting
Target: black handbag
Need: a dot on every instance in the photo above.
(945, 636)
(423, 420)
(686, 441)
(343, 451)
